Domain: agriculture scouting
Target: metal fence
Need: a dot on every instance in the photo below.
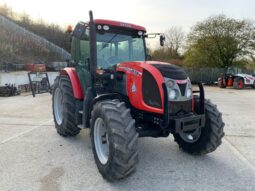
(209, 75)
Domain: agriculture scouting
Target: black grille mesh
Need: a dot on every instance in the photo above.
(182, 88)
(171, 71)
(151, 94)
(175, 106)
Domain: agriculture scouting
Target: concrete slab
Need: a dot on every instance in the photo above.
(245, 146)
(42, 160)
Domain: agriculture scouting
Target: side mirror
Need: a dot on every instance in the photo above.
(162, 40)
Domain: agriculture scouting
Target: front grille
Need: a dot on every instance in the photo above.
(150, 89)
(175, 107)
(182, 88)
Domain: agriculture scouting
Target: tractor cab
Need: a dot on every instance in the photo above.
(115, 45)
(115, 42)
(99, 45)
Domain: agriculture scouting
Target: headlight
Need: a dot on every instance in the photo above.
(189, 93)
(172, 94)
(170, 83)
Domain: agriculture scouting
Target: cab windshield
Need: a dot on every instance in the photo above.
(113, 48)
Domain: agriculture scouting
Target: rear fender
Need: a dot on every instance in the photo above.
(72, 74)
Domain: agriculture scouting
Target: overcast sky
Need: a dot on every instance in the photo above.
(155, 15)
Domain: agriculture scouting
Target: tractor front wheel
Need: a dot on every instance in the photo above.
(63, 106)
(114, 139)
(210, 136)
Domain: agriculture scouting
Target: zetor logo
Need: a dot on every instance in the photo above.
(131, 70)
(125, 25)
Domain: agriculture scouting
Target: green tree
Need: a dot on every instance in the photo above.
(219, 41)
(174, 41)
(171, 52)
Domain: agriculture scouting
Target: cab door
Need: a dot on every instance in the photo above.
(81, 56)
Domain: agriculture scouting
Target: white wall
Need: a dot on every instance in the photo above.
(21, 77)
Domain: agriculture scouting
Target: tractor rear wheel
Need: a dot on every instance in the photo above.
(63, 106)
(114, 139)
(210, 136)
(238, 83)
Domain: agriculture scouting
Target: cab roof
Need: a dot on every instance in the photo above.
(119, 24)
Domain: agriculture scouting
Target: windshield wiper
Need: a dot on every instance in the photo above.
(108, 42)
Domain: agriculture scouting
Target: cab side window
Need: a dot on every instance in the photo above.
(81, 49)
(74, 49)
(84, 51)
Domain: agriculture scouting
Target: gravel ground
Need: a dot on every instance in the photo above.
(34, 157)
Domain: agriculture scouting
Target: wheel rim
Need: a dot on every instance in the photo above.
(191, 136)
(101, 140)
(58, 106)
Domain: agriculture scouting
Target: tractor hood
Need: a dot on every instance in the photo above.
(170, 70)
(166, 69)
(144, 81)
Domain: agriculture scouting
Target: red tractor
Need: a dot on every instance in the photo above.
(115, 91)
